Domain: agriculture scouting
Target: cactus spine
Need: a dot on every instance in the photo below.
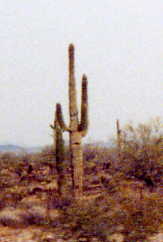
(77, 128)
(59, 152)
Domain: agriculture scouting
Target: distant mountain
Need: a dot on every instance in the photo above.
(109, 144)
(19, 149)
(11, 148)
(36, 149)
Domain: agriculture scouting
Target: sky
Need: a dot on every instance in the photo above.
(118, 45)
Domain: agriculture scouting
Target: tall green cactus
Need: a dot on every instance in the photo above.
(78, 125)
(59, 152)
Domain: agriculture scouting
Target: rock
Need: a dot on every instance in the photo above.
(10, 216)
(156, 238)
(116, 238)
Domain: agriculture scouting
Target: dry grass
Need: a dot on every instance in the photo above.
(121, 202)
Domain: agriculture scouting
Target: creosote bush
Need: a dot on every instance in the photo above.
(142, 219)
(103, 217)
(91, 219)
(141, 156)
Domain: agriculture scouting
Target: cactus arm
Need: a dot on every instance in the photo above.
(52, 126)
(60, 119)
(83, 127)
(72, 91)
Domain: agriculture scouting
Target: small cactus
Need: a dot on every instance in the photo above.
(119, 137)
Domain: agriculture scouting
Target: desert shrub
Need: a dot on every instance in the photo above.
(142, 219)
(141, 155)
(34, 219)
(91, 218)
(139, 209)
(96, 153)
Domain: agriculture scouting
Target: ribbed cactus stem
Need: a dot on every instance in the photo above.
(84, 107)
(60, 117)
(71, 51)
(73, 110)
(59, 153)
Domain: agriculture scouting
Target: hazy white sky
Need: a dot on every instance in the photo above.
(119, 45)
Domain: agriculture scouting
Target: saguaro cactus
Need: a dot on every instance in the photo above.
(119, 138)
(78, 126)
(59, 151)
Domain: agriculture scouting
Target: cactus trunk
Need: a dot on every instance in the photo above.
(75, 136)
(77, 163)
(60, 161)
